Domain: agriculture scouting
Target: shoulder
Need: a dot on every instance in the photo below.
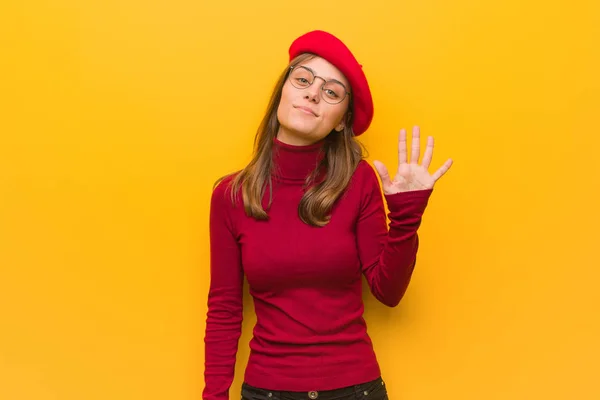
(221, 196)
(365, 174)
(364, 182)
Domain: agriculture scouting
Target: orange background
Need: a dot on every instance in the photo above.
(117, 116)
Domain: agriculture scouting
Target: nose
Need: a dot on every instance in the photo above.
(313, 92)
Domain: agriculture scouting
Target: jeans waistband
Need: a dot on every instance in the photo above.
(350, 392)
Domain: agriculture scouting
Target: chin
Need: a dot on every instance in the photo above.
(300, 128)
(307, 134)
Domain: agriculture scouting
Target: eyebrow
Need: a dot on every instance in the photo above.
(327, 78)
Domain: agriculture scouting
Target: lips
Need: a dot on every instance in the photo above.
(306, 110)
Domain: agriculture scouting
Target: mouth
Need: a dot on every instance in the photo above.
(306, 110)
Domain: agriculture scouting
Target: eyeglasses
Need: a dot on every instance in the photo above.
(332, 91)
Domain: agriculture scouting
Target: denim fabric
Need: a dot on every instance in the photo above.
(374, 390)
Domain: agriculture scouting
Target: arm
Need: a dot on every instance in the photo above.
(407, 194)
(224, 316)
(388, 257)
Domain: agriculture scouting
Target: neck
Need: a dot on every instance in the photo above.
(295, 162)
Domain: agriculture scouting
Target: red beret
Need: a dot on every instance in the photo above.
(332, 49)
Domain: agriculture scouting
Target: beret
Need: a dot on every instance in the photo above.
(332, 49)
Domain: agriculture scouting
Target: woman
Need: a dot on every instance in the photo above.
(303, 221)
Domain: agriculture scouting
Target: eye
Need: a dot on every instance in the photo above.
(334, 90)
(331, 93)
(301, 77)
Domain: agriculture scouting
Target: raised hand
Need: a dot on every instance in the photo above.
(411, 175)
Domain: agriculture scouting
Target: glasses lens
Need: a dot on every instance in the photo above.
(333, 92)
(301, 77)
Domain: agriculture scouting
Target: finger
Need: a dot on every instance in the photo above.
(383, 173)
(402, 151)
(416, 147)
(442, 170)
(428, 155)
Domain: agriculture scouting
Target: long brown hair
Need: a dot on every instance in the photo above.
(342, 153)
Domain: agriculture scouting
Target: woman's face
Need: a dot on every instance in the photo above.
(304, 115)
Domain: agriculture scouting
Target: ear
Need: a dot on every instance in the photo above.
(342, 123)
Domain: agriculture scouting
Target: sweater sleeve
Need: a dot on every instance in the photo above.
(388, 256)
(225, 303)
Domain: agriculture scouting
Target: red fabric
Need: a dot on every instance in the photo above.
(332, 49)
(305, 281)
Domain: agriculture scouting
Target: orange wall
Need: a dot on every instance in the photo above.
(117, 116)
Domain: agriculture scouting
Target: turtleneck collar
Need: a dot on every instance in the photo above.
(293, 162)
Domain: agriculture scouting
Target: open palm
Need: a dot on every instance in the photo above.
(411, 175)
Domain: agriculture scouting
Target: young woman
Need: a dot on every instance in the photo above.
(303, 221)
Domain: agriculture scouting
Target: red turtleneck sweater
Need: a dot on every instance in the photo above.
(305, 281)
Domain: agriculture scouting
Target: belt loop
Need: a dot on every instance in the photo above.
(358, 392)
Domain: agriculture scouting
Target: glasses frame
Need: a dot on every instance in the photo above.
(315, 76)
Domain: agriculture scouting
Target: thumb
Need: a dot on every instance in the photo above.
(383, 173)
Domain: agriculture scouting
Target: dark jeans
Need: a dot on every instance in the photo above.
(374, 390)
